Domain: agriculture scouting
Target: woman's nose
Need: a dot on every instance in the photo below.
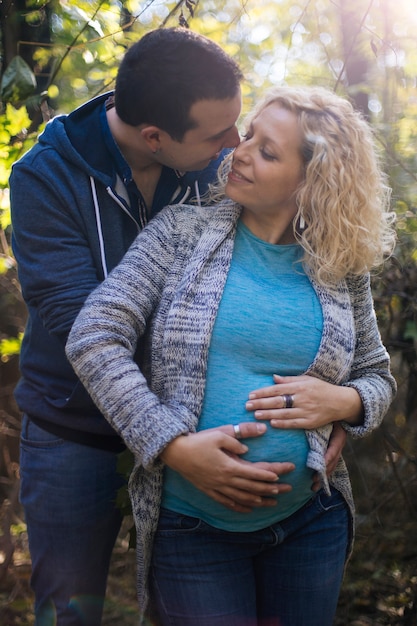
(241, 151)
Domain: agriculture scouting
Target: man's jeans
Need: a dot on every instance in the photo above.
(68, 493)
(286, 575)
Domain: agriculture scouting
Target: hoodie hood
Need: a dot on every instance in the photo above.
(70, 135)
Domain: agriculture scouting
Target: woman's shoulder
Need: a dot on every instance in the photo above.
(188, 217)
(203, 211)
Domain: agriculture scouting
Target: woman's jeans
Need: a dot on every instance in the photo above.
(289, 574)
(68, 492)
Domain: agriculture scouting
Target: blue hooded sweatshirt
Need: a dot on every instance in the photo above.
(73, 220)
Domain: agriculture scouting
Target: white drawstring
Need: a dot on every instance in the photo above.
(197, 192)
(99, 227)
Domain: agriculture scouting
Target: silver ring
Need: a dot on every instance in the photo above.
(288, 401)
(236, 430)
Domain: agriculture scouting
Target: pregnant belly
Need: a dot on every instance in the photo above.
(281, 446)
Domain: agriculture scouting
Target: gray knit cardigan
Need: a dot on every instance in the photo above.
(170, 283)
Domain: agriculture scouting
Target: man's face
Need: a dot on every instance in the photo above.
(215, 129)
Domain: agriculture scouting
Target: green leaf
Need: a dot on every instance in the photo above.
(9, 347)
(410, 330)
(18, 82)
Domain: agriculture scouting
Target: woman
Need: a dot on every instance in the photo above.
(274, 278)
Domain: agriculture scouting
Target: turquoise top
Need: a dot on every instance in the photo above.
(269, 322)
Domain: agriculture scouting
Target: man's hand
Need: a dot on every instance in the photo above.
(210, 460)
(334, 451)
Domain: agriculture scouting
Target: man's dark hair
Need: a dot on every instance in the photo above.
(163, 74)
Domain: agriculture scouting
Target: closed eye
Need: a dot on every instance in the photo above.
(267, 155)
(264, 152)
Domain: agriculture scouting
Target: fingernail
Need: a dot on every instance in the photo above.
(258, 413)
(249, 406)
(252, 396)
(261, 428)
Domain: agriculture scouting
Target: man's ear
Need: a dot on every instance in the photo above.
(152, 138)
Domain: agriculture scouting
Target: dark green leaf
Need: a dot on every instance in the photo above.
(18, 82)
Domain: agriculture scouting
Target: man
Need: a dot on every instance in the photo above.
(79, 198)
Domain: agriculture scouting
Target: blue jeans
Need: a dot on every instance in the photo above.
(289, 574)
(68, 493)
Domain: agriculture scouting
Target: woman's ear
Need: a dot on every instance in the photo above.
(152, 138)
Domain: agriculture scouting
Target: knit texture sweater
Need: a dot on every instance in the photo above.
(170, 284)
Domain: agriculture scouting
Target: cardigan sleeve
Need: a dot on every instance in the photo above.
(370, 374)
(104, 337)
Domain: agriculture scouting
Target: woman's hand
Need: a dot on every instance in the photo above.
(210, 460)
(314, 403)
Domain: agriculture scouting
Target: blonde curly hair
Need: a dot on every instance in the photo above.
(343, 222)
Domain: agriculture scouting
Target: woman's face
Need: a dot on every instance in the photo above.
(267, 166)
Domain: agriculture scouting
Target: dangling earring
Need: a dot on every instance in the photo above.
(301, 223)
